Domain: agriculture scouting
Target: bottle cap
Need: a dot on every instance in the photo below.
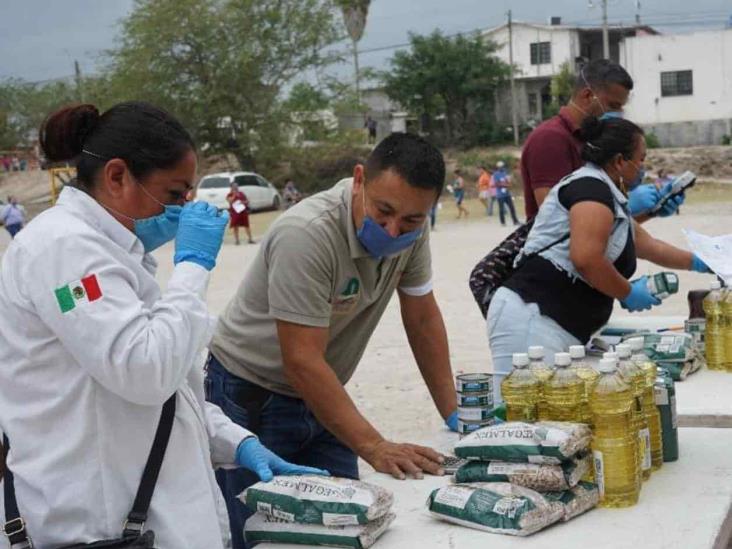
(536, 352)
(715, 285)
(520, 360)
(562, 360)
(607, 365)
(623, 350)
(577, 351)
(636, 343)
(610, 354)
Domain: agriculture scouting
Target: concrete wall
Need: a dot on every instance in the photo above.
(708, 54)
(687, 134)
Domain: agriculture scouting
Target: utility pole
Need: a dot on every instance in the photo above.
(358, 76)
(605, 37)
(77, 78)
(514, 106)
(637, 12)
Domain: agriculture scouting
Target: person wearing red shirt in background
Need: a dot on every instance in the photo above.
(239, 212)
(552, 150)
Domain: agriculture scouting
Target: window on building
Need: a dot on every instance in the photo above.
(541, 53)
(533, 109)
(677, 83)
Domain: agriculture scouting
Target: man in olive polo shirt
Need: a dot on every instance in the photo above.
(301, 319)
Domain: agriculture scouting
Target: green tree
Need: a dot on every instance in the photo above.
(562, 85)
(455, 78)
(220, 65)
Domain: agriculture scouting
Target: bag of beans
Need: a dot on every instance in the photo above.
(548, 442)
(576, 501)
(537, 476)
(312, 499)
(498, 507)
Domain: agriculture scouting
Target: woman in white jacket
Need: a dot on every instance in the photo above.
(91, 349)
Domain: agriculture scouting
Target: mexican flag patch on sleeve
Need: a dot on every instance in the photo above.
(77, 293)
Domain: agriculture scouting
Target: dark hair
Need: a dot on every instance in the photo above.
(410, 156)
(145, 137)
(599, 74)
(604, 139)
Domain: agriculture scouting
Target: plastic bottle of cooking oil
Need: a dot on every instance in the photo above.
(637, 380)
(537, 364)
(650, 410)
(726, 305)
(714, 336)
(614, 444)
(588, 375)
(521, 391)
(563, 392)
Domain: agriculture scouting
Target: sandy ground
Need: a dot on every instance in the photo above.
(387, 386)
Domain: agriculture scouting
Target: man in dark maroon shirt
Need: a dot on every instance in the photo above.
(552, 150)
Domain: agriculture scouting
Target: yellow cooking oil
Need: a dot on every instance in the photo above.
(650, 410)
(637, 380)
(563, 393)
(726, 325)
(521, 391)
(714, 335)
(588, 375)
(614, 442)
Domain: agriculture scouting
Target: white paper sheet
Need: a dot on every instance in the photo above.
(715, 251)
(238, 206)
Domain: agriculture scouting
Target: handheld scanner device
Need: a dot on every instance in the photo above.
(685, 181)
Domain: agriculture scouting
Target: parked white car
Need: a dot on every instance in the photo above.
(261, 193)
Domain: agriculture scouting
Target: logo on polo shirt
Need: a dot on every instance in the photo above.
(344, 302)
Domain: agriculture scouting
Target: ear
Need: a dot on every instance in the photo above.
(359, 177)
(114, 176)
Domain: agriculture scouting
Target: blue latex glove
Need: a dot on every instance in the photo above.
(452, 421)
(670, 207)
(639, 298)
(252, 455)
(200, 234)
(642, 199)
(698, 265)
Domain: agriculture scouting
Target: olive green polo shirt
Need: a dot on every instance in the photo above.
(312, 270)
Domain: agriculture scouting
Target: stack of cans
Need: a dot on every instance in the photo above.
(475, 402)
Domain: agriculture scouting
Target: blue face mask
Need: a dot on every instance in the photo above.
(155, 231)
(378, 242)
(638, 180)
(612, 114)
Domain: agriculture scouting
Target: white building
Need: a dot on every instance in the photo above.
(539, 51)
(683, 82)
(683, 85)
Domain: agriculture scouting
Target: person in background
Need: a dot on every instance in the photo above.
(371, 126)
(13, 216)
(239, 212)
(662, 179)
(502, 183)
(581, 253)
(458, 191)
(553, 150)
(290, 193)
(94, 353)
(486, 191)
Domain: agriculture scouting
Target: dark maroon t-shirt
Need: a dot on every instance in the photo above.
(551, 151)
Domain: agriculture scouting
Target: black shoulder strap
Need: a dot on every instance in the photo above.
(15, 526)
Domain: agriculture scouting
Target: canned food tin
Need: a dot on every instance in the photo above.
(474, 383)
(467, 427)
(475, 399)
(697, 328)
(475, 413)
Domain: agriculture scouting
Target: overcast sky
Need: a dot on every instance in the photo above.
(40, 39)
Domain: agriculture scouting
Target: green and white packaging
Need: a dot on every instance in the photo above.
(264, 528)
(577, 500)
(536, 476)
(678, 353)
(312, 499)
(497, 507)
(663, 285)
(548, 442)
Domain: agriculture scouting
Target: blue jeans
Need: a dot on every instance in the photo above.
(286, 426)
(514, 326)
(14, 229)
